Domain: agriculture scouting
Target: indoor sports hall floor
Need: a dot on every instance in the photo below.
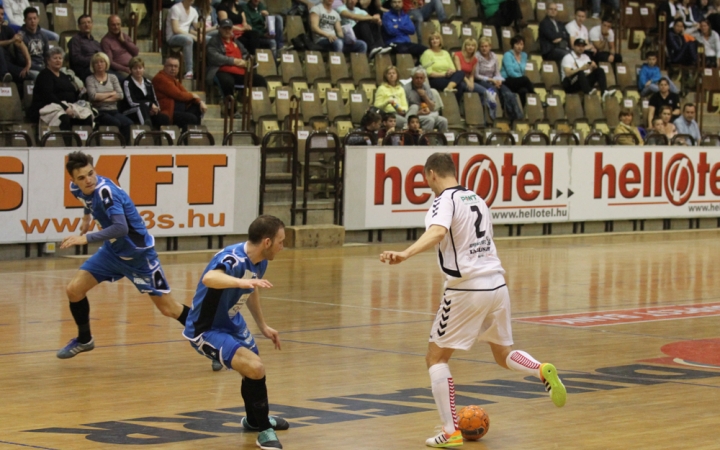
(351, 373)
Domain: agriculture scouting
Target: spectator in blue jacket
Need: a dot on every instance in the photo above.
(397, 29)
(650, 76)
(513, 69)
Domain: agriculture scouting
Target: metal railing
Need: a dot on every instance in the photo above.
(227, 140)
(279, 143)
(70, 134)
(332, 177)
(156, 135)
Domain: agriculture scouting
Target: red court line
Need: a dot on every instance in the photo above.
(624, 316)
(705, 201)
(638, 203)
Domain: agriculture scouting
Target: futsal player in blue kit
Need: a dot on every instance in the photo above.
(216, 329)
(127, 251)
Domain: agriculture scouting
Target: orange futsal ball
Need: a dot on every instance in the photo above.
(473, 422)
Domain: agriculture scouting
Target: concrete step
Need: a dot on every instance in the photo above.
(282, 212)
(151, 59)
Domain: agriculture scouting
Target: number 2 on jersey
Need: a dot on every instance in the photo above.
(478, 232)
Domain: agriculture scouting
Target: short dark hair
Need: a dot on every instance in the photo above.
(387, 116)
(84, 16)
(666, 107)
(649, 54)
(28, 10)
(264, 227)
(515, 39)
(413, 116)
(607, 19)
(625, 112)
(77, 160)
(440, 163)
(688, 105)
(665, 79)
(580, 10)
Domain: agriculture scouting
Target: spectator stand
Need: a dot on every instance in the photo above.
(565, 139)
(53, 135)
(597, 138)
(500, 138)
(279, 143)
(616, 138)
(656, 139)
(105, 136)
(244, 135)
(682, 139)
(470, 138)
(535, 138)
(11, 138)
(157, 137)
(433, 139)
(196, 133)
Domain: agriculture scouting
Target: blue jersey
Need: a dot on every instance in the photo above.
(219, 309)
(108, 200)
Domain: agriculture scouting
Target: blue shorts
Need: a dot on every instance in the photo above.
(222, 346)
(144, 270)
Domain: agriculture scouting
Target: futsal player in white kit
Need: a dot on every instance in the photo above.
(475, 304)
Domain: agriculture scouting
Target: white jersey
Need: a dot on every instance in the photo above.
(467, 252)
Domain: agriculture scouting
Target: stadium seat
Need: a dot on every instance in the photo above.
(534, 110)
(533, 73)
(310, 105)
(260, 104)
(381, 63)
(104, 136)
(336, 107)
(625, 78)
(298, 85)
(172, 130)
(451, 8)
(360, 68)
(343, 126)
(527, 8)
(612, 111)
(135, 131)
(405, 65)
(550, 74)
(62, 17)
(506, 35)
(294, 27)
(42, 14)
(474, 110)
(609, 74)
(279, 6)
(28, 89)
(490, 32)
(197, 135)
(338, 67)
(555, 111)
(358, 106)
(28, 128)
(83, 131)
(369, 87)
(265, 61)
(10, 105)
(543, 126)
(290, 66)
(451, 39)
(531, 33)
(573, 107)
(593, 108)
(468, 10)
(265, 126)
(426, 29)
(451, 110)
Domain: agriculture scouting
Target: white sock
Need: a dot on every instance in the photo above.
(519, 361)
(443, 391)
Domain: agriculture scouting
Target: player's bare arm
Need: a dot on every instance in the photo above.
(218, 279)
(428, 240)
(85, 224)
(253, 305)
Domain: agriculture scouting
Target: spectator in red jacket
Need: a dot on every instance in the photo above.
(184, 108)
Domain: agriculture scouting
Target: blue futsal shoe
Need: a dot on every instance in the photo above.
(277, 423)
(74, 347)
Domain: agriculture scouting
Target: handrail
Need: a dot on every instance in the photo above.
(662, 39)
(559, 136)
(335, 179)
(710, 136)
(157, 20)
(132, 28)
(499, 134)
(114, 7)
(97, 134)
(160, 134)
(229, 137)
(535, 134)
(18, 133)
(468, 134)
(426, 137)
(368, 136)
(247, 92)
(265, 150)
(49, 134)
(88, 7)
(699, 86)
(201, 55)
(656, 137)
(617, 137)
(228, 108)
(183, 139)
(676, 139)
(597, 133)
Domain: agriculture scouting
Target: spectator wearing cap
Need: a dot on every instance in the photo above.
(227, 61)
(580, 73)
(82, 47)
(119, 47)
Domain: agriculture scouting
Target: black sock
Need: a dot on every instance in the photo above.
(183, 315)
(254, 392)
(81, 313)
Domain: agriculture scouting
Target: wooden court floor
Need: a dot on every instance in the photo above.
(351, 373)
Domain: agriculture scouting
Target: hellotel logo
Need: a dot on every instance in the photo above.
(679, 179)
(481, 175)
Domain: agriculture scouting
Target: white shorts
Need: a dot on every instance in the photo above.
(467, 315)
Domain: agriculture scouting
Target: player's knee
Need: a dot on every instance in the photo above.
(255, 370)
(167, 311)
(74, 291)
